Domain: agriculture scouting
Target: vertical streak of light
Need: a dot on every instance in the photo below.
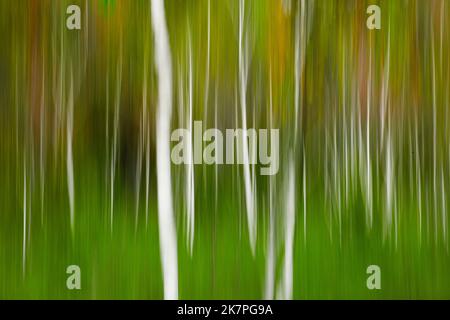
(418, 176)
(147, 174)
(368, 164)
(69, 156)
(345, 140)
(243, 69)
(139, 167)
(237, 171)
(389, 164)
(147, 142)
(59, 102)
(206, 94)
(433, 86)
(190, 166)
(336, 180)
(107, 149)
(326, 180)
(289, 228)
(208, 48)
(385, 87)
(115, 136)
(297, 72)
(167, 231)
(216, 165)
(142, 148)
(29, 193)
(107, 130)
(302, 57)
(270, 261)
(388, 185)
(444, 215)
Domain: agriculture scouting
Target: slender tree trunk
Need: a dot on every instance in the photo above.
(167, 235)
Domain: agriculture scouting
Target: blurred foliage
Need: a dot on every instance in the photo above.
(371, 153)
